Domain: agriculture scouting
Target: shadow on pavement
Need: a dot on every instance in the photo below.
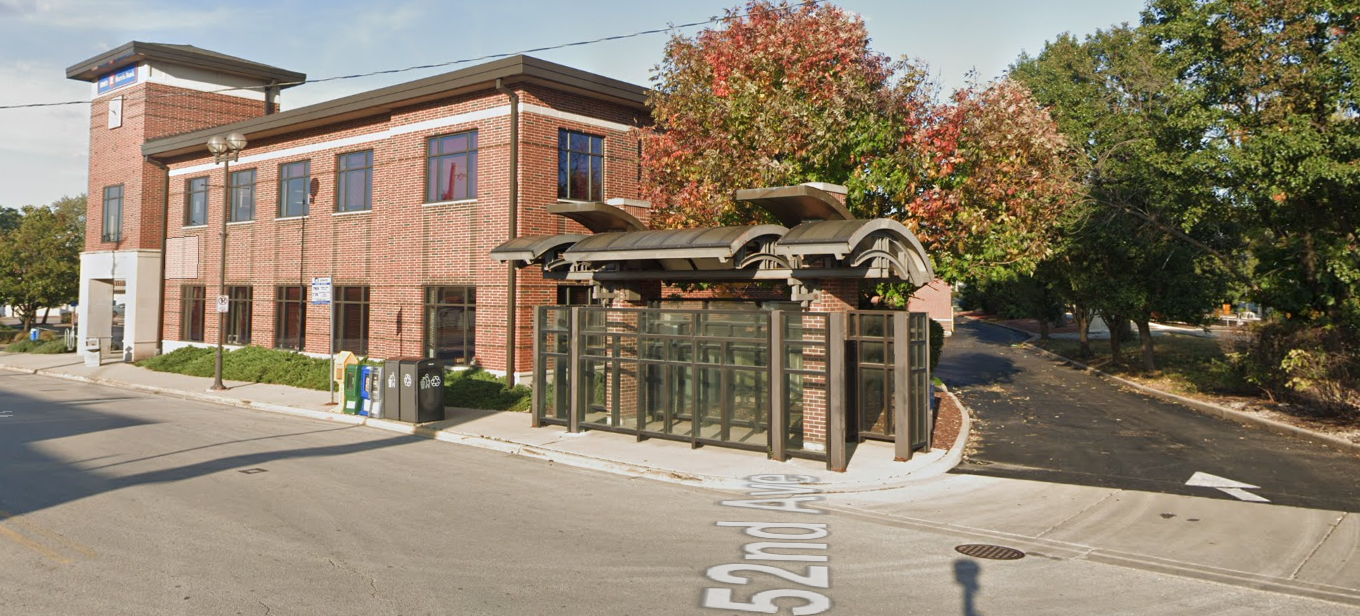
(32, 478)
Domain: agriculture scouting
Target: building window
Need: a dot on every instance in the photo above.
(580, 166)
(573, 295)
(196, 202)
(194, 304)
(290, 318)
(243, 195)
(293, 184)
(354, 182)
(451, 171)
(451, 324)
(351, 319)
(113, 213)
(239, 314)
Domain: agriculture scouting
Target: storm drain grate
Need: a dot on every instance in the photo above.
(991, 552)
(252, 471)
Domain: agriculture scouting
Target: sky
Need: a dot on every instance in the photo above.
(44, 152)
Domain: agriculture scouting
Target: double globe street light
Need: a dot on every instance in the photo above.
(224, 150)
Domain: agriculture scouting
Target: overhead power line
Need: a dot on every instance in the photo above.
(392, 71)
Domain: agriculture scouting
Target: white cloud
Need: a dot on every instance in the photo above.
(108, 15)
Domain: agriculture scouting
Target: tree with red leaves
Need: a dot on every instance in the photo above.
(784, 94)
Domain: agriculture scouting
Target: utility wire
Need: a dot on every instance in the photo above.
(616, 37)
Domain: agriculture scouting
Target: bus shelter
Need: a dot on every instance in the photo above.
(808, 380)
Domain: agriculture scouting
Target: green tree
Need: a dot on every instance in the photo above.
(40, 262)
(1281, 75)
(1148, 242)
(9, 219)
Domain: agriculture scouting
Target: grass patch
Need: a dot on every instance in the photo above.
(252, 364)
(1185, 364)
(477, 389)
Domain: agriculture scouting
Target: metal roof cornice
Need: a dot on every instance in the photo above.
(517, 69)
(188, 55)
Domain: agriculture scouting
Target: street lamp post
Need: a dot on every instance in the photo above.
(224, 150)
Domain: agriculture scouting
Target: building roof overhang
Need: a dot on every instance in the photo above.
(376, 103)
(188, 55)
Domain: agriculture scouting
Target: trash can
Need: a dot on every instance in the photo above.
(353, 389)
(430, 375)
(420, 390)
(33, 334)
(391, 387)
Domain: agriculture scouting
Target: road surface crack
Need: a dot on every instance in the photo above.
(1317, 547)
(372, 582)
(267, 610)
(1075, 515)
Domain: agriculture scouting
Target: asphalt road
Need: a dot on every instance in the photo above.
(1041, 420)
(123, 503)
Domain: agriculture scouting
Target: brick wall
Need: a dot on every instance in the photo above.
(937, 300)
(150, 111)
(403, 244)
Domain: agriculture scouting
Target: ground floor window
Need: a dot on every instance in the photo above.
(451, 324)
(290, 318)
(238, 314)
(351, 319)
(193, 303)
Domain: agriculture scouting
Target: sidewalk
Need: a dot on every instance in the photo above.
(871, 468)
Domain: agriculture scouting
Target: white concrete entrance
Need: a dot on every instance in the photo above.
(120, 302)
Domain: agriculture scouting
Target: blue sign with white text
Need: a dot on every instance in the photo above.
(115, 80)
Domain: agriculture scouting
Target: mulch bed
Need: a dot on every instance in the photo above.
(948, 421)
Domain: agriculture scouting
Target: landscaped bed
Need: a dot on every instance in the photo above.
(471, 388)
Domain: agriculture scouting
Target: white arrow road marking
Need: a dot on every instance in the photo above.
(1235, 489)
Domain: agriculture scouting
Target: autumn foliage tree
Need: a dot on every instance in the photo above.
(783, 94)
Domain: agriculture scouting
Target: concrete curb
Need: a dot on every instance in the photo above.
(938, 467)
(1207, 408)
(955, 455)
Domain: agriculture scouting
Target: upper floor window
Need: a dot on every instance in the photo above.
(113, 214)
(293, 185)
(196, 202)
(451, 171)
(242, 195)
(354, 182)
(580, 166)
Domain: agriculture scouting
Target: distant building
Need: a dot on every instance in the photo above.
(937, 300)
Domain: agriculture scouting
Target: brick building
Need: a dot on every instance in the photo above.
(397, 194)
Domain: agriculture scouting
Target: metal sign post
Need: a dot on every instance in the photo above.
(321, 295)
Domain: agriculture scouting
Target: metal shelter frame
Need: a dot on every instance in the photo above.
(791, 383)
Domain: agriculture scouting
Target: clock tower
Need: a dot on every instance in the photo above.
(140, 92)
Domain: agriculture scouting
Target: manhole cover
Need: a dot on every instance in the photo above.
(992, 552)
(252, 471)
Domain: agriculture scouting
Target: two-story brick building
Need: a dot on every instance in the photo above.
(397, 194)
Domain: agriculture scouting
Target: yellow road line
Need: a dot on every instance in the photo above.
(6, 516)
(36, 547)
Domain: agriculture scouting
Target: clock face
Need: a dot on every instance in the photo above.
(116, 112)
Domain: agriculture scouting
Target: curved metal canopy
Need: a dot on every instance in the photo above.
(531, 248)
(598, 217)
(720, 243)
(791, 205)
(863, 242)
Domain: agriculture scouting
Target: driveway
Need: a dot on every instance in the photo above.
(1038, 419)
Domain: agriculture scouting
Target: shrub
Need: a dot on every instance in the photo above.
(252, 364)
(936, 343)
(22, 346)
(475, 388)
(1316, 366)
(52, 347)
